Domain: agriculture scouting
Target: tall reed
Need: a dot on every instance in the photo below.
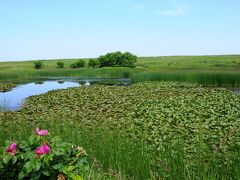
(208, 78)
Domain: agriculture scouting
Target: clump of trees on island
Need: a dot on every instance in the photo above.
(114, 59)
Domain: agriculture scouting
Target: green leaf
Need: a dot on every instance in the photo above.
(36, 164)
(70, 168)
(77, 177)
(27, 166)
(46, 173)
(58, 166)
(33, 139)
(14, 160)
(6, 158)
(21, 175)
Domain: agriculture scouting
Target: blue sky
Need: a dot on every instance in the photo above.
(48, 29)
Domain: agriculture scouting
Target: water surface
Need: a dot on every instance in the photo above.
(13, 99)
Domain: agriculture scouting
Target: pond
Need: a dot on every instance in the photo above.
(13, 100)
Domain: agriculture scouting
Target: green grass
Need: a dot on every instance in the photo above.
(206, 78)
(144, 131)
(190, 62)
(82, 72)
(207, 70)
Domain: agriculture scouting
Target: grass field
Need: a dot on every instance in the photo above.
(143, 131)
(207, 70)
(171, 129)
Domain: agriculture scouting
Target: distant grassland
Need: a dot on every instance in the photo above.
(207, 70)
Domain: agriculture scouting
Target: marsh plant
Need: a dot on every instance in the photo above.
(4, 87)
(42, 157)
(60, 64)
(151, 130)
(38, 64)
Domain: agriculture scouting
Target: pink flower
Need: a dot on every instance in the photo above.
(41, 132)
(12, 149)
(44, 149)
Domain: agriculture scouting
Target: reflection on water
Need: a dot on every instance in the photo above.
(13, 99)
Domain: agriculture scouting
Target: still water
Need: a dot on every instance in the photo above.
(13, 99)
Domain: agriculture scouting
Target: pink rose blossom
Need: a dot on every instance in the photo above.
(12, 149)
(41, 132)
(44, 149)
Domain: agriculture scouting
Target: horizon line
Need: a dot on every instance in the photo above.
(43, 59)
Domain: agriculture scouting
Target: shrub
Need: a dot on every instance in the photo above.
(60, 64)
(93, 63)
(117, 59)
(78, 64)
(38, 64)
(42, 157)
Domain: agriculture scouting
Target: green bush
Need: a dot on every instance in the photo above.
(60, 64)
(117, 59)
(93, 63)
(42, 157)
(38, 64)
(78, 64)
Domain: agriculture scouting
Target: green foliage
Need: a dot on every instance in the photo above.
(117, 59)
(60, 64)
(78, 64)
(143, 131)
(217, 79)
(63, 159)
(93, 63)
(4, 87)
(38, 64)
(193, 69)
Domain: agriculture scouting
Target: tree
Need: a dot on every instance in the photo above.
(60, 64)
(78, 64)
(38, 64)
(93, 63)
(117, 59)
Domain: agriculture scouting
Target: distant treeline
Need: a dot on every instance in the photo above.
(115, 59)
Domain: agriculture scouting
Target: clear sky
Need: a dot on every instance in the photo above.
(47, 29)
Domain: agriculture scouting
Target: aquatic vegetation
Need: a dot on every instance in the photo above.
(167, 129)
(205, 78)
(4, 87)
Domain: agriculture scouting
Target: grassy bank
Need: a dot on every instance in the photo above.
(207, 70)
(144, 131)
(82, 73)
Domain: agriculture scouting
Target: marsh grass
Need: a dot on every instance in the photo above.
(206, 70)
(81, 72)
(123, 148)
(208, 78)
(114, 157)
